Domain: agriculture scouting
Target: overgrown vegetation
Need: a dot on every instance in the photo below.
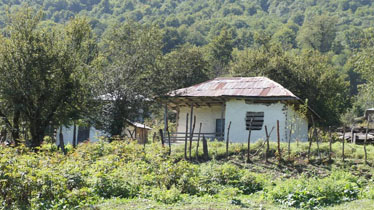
(95, 172)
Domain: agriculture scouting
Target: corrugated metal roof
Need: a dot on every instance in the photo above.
(236, 86)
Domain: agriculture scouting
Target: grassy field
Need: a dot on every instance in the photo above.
(126, 175)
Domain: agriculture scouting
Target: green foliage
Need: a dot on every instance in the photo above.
(310, 192)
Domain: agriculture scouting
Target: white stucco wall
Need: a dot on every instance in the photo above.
(298, 123)
(236, 110)
(205, 115)
(69, 131)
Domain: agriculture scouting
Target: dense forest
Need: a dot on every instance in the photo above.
(132, 51)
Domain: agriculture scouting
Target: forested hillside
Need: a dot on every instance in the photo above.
(321, 50)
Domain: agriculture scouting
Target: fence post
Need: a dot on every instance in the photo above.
(267, 142)
(317, 141)
(330, 142)
(249, 141)
(191, 135)
(205, 148)
(343, 143)
(278, 141)
(198, 141)
(185, 139)
(162, 138)
(289, 143)
(228, 140)
(366, 138)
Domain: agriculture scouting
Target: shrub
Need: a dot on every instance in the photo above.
(310, 192)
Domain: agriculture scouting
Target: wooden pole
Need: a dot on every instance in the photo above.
(267, 144)
(343, 143)
(205, 148)
(317, 140)
(185, 139)
(330, 144)
(366, 138)
(191, 135)
(222, 123)
(154, 137)
(289, 143)
(62, 143)
(278, 141)
(169, 142)
(166, 125)
(311, 139)
(249, 141)
(198, 141)
(228, 140)
(74, 135)
(162, 138)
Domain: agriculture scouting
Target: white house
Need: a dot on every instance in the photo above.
(134, 130)
(246, 102)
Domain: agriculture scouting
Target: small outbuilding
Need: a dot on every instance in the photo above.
(246, 102)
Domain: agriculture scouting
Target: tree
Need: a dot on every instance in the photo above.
(319, 33)
(220, 50)
(42, 71)
(186, 66)
(132, 74)
(309, 75)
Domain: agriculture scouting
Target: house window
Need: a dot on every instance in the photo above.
(219, 126)
(83, 133)
(254, 120)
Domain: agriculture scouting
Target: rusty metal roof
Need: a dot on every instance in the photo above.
(236, 86)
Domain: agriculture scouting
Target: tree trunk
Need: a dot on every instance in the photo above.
(162, 138)
(15, 130)
(62, 144)
(75, 136)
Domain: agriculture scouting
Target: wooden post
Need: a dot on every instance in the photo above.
(154, 137)
(169, 142)
(222, 123)
(185, 139)
(330, 143)
(74, 135)
(166, 125)
(278, 141)
(366, 138)
(289, 143)
(162, 138)
(343, 143)
(311, 138)
(191, 135)
(317, 141)
(249, 141)
(198, 141)
(267, 142)
(62, 143)
(144, 136)
(228, 140)
(205, 148)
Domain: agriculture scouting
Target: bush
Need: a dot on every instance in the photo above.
(310, 192)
